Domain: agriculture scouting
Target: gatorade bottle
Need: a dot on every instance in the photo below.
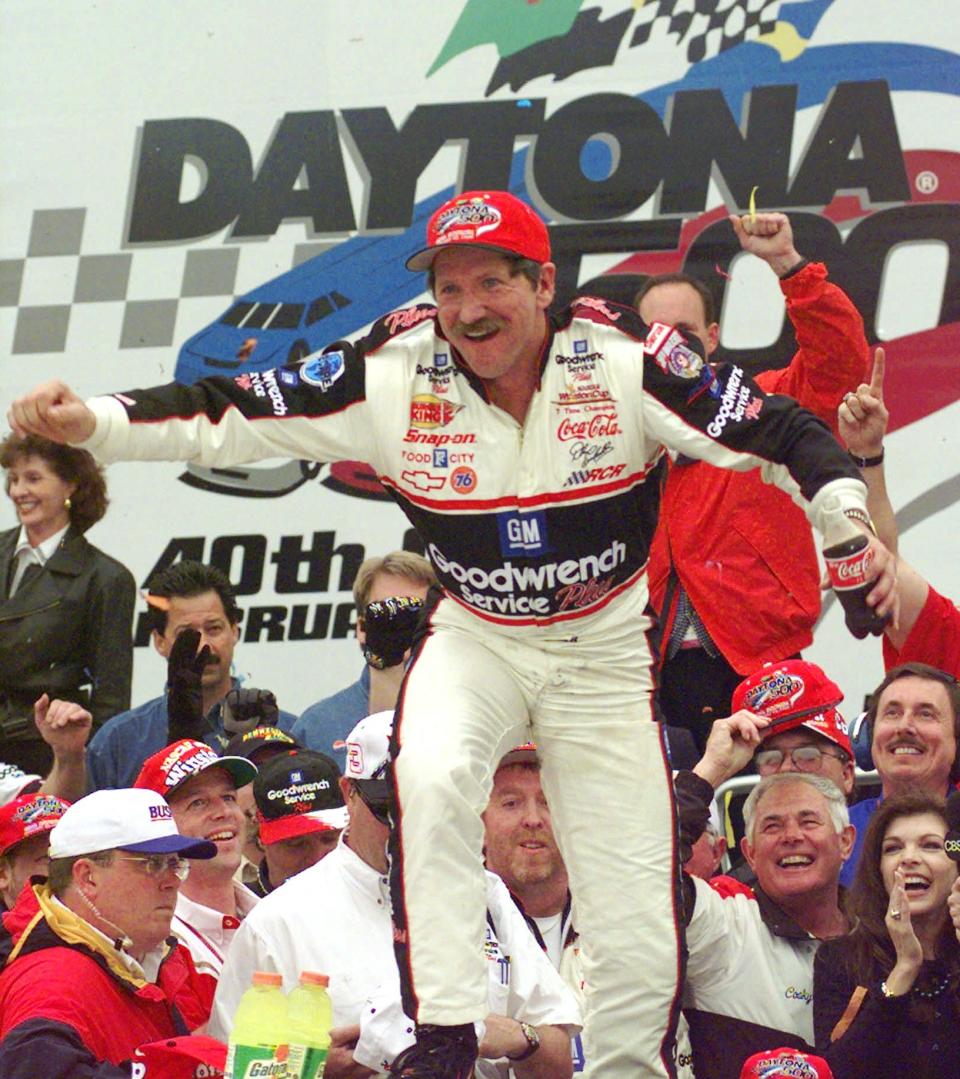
(309, 1019)
(256, 1045)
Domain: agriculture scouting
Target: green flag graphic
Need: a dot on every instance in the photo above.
(511, 25)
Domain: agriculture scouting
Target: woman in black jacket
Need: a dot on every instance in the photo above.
(66, 608)
(886, 997)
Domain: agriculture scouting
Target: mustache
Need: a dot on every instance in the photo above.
(483, 325)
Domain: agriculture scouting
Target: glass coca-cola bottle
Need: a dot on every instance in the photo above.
(848, 559)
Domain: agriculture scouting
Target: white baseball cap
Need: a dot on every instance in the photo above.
(368, 750)
(124, 819)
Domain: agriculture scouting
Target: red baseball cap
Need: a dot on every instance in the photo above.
(184, 759)
(795, 693)
(29, 815)
(495, 220)
(192, 1056)
(785, 1063)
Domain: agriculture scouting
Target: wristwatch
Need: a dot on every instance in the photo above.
(533, 1042)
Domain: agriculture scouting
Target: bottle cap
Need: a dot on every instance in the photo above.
(267, 977)
(311, 977)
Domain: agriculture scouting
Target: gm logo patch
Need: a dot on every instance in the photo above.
(523, 534)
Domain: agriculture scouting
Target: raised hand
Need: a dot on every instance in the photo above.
(52, 410)
(730, 746)
(768, 236)
(63, 725)
(184, 685)
(862, 416)
(902, 936)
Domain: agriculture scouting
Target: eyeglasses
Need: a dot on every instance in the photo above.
(805, 759)
(154, 865)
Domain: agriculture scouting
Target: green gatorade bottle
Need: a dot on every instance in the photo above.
(256, 1048)
(309, 1019)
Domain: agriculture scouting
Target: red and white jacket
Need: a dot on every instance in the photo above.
(533, 524)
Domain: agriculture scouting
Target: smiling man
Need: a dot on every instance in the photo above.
(914, 724)
(750, 966)
(201, 790)
(520, 443)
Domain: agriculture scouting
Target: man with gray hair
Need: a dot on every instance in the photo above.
(750, 967)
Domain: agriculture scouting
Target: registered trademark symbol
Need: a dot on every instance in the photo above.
(927, 182)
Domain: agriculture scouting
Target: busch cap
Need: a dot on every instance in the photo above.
(124, 819)
(249, 743)
(495, 220)
(298, 793)
(184, 759)
(368, 753)
(29, 815)
(785, 1063)
(795, 693)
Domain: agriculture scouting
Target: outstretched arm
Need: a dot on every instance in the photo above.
(52, 410)
(862, 419)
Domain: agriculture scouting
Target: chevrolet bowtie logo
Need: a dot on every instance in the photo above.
(423, 481)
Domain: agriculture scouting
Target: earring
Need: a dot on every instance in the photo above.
(67, 503)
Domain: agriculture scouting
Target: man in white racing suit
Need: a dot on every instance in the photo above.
(526, 449)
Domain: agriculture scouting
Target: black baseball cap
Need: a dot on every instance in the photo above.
(251, 742)
(298, 793)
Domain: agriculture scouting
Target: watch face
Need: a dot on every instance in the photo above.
(533, 1042)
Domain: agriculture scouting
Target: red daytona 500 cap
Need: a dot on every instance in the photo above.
(795, 693)
(495, 220)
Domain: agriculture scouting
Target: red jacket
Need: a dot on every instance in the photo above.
(73, 1010)
(934, 639)
(742, 550)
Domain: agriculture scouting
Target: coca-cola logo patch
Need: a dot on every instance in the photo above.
(601, 425)
(850, 572)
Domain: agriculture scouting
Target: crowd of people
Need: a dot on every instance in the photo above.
(481, 840)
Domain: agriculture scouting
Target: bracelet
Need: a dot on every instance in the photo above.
(886, 992)
(866, 462)
(533, 1042)
(857, 514)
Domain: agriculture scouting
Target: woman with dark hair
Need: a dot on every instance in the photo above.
(886, 997)
(66, 608)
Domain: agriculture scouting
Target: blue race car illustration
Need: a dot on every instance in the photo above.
(328, 297)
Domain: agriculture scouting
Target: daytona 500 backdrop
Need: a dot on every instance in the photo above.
(219, 189)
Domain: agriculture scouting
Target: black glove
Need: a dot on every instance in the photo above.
(390, 625)
(245, 709)
(184, 692)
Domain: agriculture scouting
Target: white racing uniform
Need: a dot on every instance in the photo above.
(539, 535)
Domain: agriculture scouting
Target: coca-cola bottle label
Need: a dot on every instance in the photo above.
(849, 571)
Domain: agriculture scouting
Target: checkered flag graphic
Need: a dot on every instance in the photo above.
(708, 27)
(148, 298)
